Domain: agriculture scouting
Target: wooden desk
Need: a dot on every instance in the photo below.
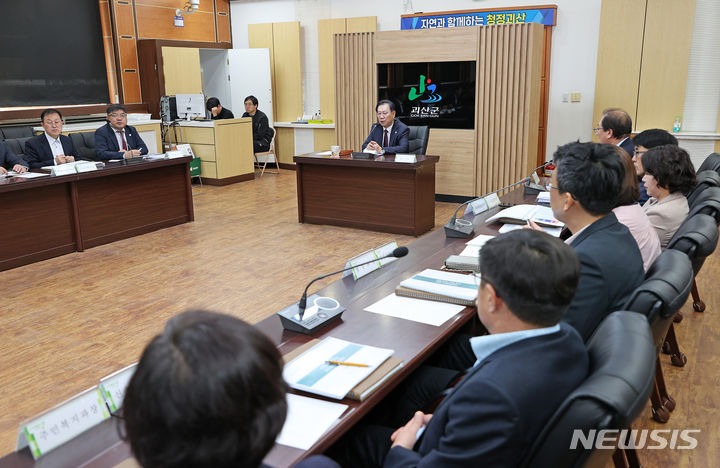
(51, 216)
(225, 148)
(377, 195)
(412, 341)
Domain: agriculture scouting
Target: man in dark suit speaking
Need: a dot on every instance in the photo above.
(51, 148)
(117, 139)
(522, 370)
(388, 135)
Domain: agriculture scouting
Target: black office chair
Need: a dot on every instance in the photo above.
(705, 180)
(17, 145)
(696, 237)
(666, 287)
(418, 139)
(84, 143)
(16, 132)
(622, 364)
(706, 202)
(711, 163)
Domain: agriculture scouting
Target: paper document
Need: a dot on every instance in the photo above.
(429, 312)
(471, 251)
(479, 240)
(543, 197)
(30, 175)
(553, 231)
(519, 214)
(308, 419)
(324, 153)
(311, 372)
(444, 283)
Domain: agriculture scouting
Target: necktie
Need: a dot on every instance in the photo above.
(385, 139)
(124, 143)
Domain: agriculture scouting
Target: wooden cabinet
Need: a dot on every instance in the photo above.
(224, 147)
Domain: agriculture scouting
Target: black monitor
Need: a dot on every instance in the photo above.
(436, 94)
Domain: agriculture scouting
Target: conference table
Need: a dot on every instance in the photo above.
(377, 194)
(48, 216)
(413, 342)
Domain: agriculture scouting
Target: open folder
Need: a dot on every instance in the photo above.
(309, 360)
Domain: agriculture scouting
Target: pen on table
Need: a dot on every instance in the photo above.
(343, 363)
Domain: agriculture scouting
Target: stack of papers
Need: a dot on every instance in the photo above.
(312, 373)
(520, 214)
(464, 288)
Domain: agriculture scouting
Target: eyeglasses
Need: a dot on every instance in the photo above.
(639, 153)
(383, 113)
(551, 186)
(597, 130)
(115, 116)
(54, 123)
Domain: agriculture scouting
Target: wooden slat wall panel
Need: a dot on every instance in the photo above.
(665, 60)
(619, 58)
(326, 63)
(355, 85)
(508, 89)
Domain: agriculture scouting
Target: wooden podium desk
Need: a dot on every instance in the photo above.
(377, 195)
(413, 342)
(51, 216)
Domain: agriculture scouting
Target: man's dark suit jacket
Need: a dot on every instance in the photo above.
(39, 154)
(8, 159)
(397, 140)
(106, 145)
(493, 416)
(628, 145)
(611, 267)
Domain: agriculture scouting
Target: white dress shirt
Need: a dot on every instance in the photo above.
(55, 146)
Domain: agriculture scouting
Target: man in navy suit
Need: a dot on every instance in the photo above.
(51, 148)
(117, 139)
(583, 188)
(614, 128)
(10, 160)
(522, 371)
(388, 135)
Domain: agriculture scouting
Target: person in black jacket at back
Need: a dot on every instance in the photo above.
(262, 133)
(217, 110)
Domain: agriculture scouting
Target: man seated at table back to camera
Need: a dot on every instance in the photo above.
(521, 372)
(51, 148)
(207, 392)
(387, 135)
(10, 161)
(217, 111)
(117, 139)
(262, 133)
(584, 187)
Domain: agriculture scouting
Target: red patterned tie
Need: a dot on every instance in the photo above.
(124, 142)
(385, 139)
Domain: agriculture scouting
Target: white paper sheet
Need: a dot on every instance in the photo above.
(307, 420)
(418, 310)
(30, 175)
(324, 153)
(471, 251)
(479, 240)
(555, 232)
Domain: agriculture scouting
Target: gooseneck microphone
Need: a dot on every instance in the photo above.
(464, 229)
(292, 317)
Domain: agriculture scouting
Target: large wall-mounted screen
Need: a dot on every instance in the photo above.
(437, 94)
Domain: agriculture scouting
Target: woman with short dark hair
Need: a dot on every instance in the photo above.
(631, 214)
(669, 174)
(208, 392)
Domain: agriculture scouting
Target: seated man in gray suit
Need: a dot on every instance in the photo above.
(11, 161)
(522, 371)
(388, 135)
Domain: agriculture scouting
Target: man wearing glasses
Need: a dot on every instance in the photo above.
(117, 139)
(51, 148)
(388, 135)
(614, 128)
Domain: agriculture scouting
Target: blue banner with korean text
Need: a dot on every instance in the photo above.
(544, 16)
